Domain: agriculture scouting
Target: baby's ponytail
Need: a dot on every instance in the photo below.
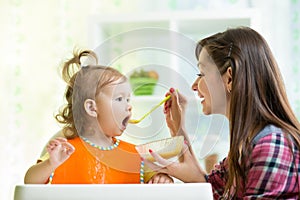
(73, 65)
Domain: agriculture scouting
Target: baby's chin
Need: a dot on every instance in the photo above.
(120, 131)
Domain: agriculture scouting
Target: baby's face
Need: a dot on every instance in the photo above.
(114, 108)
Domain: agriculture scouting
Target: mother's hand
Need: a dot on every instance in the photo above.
(174, 110)
(187, 171)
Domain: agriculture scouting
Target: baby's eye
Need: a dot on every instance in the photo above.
(128, 100)
(200, 75)
(119, 99)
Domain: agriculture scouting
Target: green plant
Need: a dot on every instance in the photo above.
(143, 82)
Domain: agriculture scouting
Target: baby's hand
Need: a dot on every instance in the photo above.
(161, 178)
(59, 150)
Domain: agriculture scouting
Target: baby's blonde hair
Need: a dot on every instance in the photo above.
(83, 82)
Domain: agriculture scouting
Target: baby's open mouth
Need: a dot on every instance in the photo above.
(125, 121)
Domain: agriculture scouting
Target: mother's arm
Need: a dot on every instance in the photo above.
(188, 168)
(174, 110)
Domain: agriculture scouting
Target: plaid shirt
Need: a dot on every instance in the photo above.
(273, 170)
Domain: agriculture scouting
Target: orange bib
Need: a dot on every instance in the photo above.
(90, 165)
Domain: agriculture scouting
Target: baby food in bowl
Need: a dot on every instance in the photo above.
(166, 148)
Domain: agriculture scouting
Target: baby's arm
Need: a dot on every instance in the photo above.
(59, 151)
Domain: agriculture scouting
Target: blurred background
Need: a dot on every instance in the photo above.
(36, 36)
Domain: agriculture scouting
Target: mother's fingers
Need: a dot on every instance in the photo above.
(179, 99)
(168, 103)
(161, 165)
(160, 160)
(155, 167)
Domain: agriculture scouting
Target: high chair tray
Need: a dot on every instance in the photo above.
(180, 191)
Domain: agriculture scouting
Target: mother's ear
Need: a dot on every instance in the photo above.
(228, 79)
(90, 107)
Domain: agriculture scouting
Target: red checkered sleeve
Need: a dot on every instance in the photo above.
(273, 170)
(218, 179)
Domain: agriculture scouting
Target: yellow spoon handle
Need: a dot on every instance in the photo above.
(162, 101)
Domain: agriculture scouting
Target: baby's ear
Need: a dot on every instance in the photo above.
(90, 107)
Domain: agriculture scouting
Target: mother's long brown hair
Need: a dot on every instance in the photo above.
(258, 96)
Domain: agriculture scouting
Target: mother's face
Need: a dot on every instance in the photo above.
(210, 86)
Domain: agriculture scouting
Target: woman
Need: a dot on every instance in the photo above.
(240, 79)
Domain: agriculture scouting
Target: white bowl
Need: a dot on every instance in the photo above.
(166, 148)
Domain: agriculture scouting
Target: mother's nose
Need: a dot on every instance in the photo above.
(195, 84)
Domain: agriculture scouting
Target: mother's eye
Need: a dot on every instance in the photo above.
(200, 75)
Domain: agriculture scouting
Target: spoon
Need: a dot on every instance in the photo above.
(135, 121)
